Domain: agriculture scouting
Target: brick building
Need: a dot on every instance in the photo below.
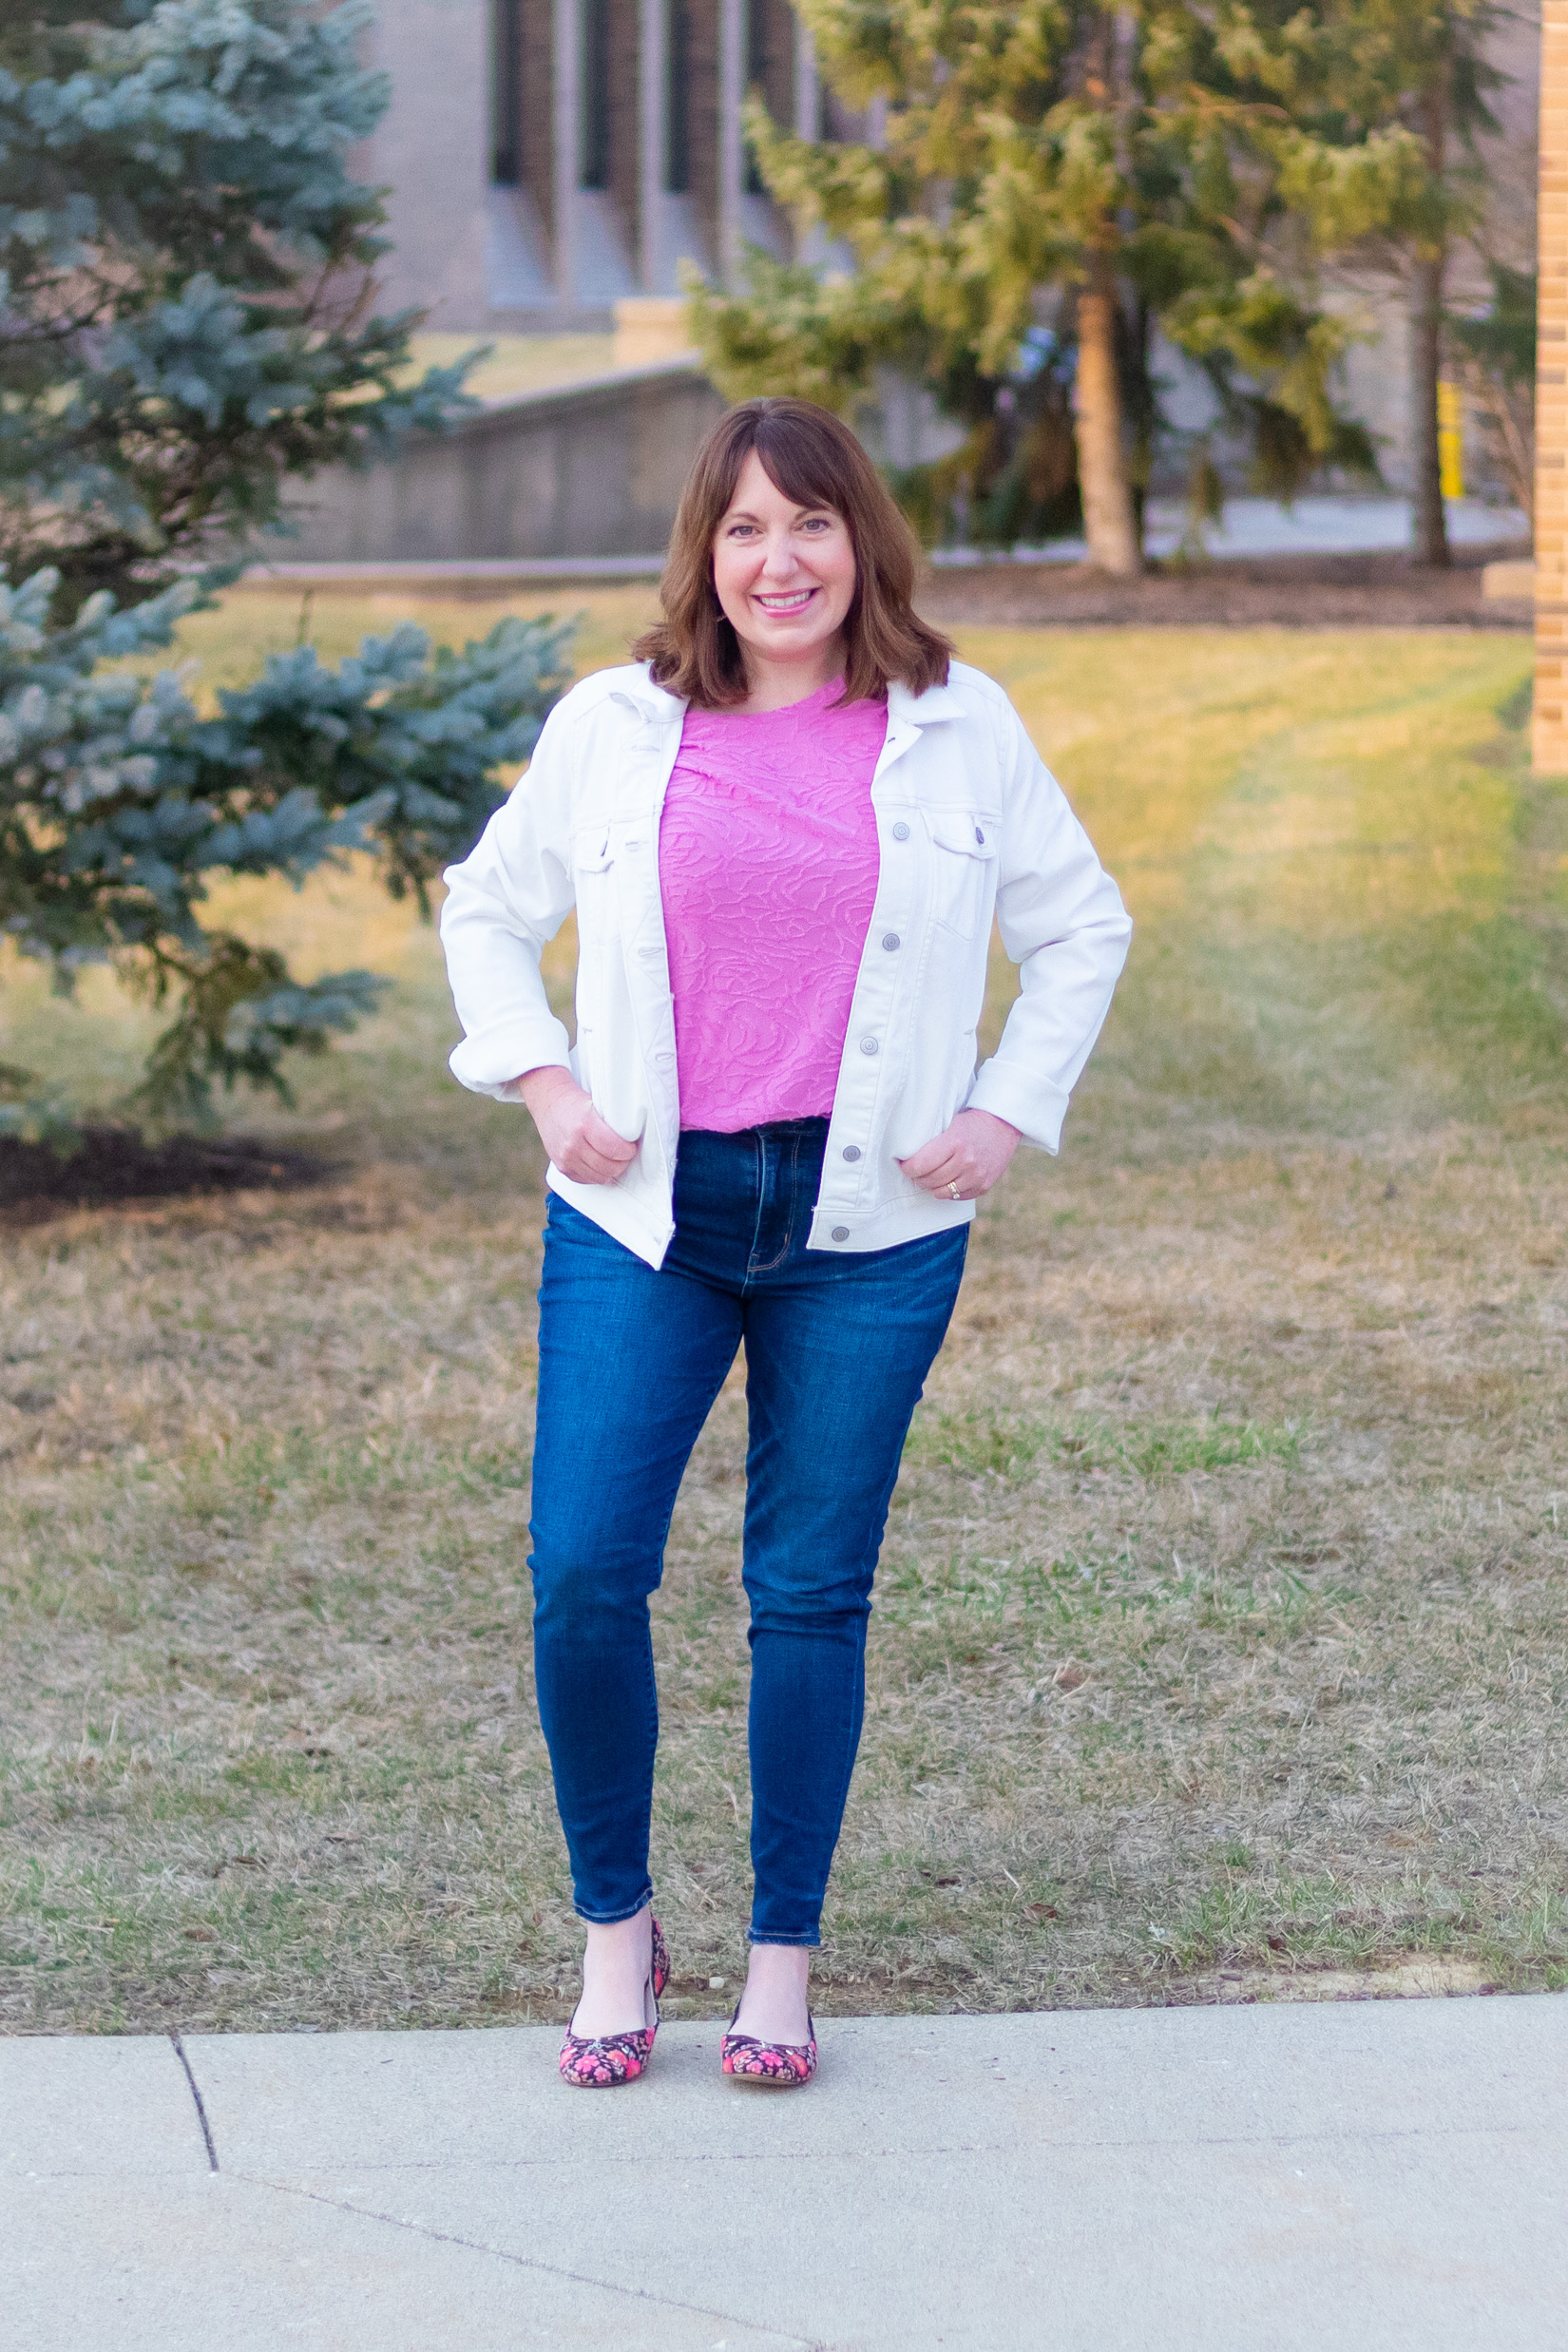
(548, 158)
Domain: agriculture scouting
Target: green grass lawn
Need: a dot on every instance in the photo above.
(1219, 1645)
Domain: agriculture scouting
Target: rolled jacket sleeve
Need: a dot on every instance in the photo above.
(504, 903)
(1064, 925)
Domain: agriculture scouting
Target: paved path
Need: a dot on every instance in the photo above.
(1310, 525)
(1379, 2173)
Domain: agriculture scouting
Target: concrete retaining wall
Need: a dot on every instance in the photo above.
(591, 470)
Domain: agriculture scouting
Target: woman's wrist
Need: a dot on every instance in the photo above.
(539, 1087)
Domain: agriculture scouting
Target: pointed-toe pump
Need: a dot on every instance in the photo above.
(604, 2061)
(769, 2065)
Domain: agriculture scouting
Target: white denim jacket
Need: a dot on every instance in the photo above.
(970, 823)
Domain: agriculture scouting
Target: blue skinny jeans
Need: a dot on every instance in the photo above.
(630, 1361)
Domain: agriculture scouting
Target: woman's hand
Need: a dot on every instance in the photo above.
(580, 1143)
(966, 1159)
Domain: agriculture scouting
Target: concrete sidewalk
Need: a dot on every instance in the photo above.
(1316, 524)
(1377, 2173)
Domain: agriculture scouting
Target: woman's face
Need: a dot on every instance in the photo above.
(784, 574)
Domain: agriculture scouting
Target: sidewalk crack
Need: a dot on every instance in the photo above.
(200, 2110)
(530, 2262)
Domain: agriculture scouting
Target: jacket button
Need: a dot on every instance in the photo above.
(979, 836)
(869, 1045)
(901, 830)
(841, 1233)
(851, 1150)
(890, 940)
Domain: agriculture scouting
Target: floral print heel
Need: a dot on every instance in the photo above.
(603, 2062)
(772, 2065)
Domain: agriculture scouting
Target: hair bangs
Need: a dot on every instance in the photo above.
(797, 464)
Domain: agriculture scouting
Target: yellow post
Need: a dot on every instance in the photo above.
(1451, 439)
(1551, 716)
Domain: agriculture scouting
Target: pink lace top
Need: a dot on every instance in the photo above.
(768, 870)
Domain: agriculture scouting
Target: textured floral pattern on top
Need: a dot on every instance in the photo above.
(768, 870)
(781, 2065)
(604, 2061)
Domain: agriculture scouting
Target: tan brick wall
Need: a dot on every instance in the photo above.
(1551, 719)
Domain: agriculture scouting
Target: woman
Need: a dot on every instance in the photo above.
(785, 829)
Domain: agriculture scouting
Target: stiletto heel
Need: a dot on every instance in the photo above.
(603, 2062)
(771, 2065)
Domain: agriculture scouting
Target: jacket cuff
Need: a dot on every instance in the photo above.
(491, 1061)
(1031, 1104)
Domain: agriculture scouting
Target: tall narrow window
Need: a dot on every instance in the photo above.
(593, 88)
(506, 92)
(756, 77)
(677, 120)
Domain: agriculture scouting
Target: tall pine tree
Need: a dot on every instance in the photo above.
(190, 324)
(1390, 115)
(1120, 159)
(189, 279)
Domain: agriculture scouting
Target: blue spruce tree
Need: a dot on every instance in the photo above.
(187, 324)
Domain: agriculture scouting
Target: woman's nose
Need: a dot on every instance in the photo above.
(780, 559)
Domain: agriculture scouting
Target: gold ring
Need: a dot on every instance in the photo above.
(956, 1193)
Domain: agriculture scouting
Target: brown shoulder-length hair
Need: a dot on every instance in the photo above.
(814, 459)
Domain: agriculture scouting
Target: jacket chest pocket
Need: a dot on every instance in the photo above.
(593, 881)
(963, 862)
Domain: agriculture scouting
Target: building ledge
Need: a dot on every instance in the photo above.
(1511, 582)
(455, 575)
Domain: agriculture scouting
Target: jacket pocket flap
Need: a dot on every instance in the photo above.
(591, 852)
(968, 832)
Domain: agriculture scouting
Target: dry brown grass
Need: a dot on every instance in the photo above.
(1219, 1648)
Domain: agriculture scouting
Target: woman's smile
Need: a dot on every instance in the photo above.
(786, 601)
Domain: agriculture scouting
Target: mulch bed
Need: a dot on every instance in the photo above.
(104, 1167)
(1384, 591)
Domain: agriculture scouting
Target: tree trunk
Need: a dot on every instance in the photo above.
(1429, 534)
(1429, 528)
(1109, 524)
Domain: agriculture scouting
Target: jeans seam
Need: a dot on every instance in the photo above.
(772, 1265)
(851, 1739)
(762, 1206)
(652, 1673)
(752, 1267)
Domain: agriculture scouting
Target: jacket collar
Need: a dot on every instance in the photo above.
(919, 710)
(634, 685)
(922, 710)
